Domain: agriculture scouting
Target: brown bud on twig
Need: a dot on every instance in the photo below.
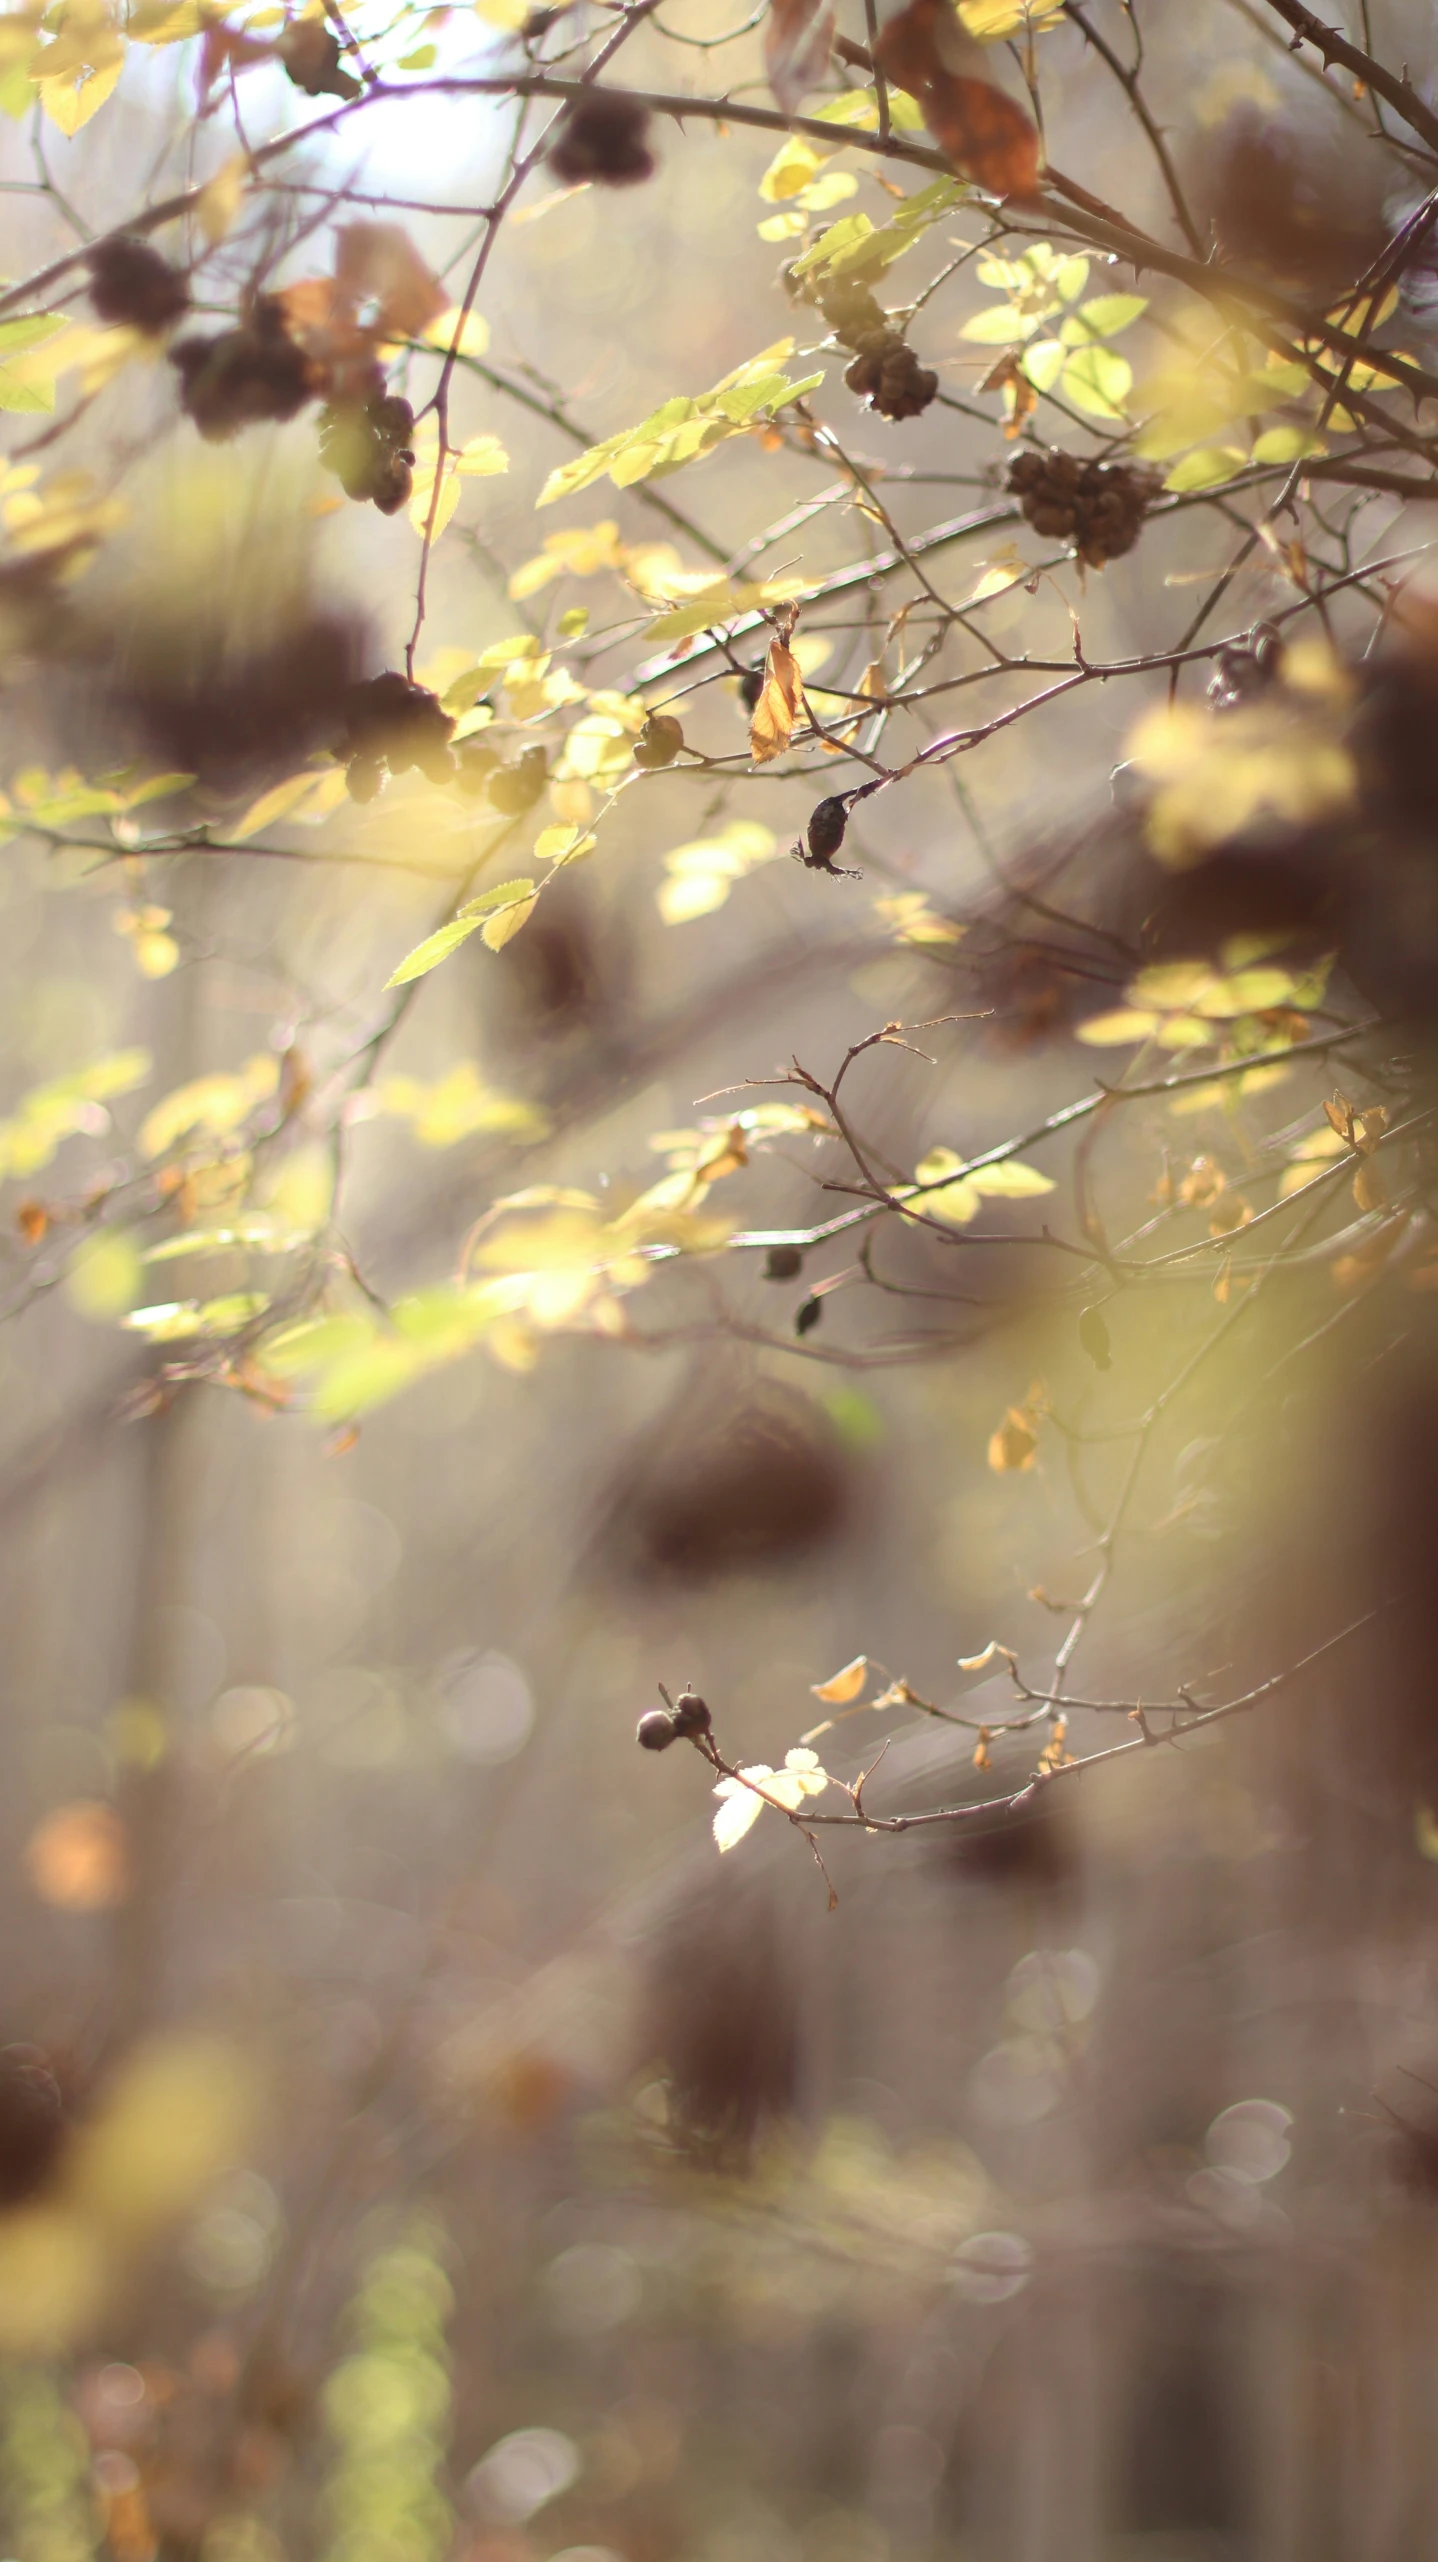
(656, 1730)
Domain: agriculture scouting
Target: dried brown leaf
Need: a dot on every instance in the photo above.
(780, 704)
(986, 135)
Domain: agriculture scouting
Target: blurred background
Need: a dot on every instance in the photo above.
(414, 2143)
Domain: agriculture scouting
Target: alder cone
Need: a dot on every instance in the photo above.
(368, 448)
(244, 376)
(888, 374)
(391, 722)
(132, 286)
(1098, 508)
(602, 139)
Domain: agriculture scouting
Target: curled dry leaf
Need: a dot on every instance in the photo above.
(797, 38)
(843, 1686)
(377, 263)
(986, 135)
(780, 704)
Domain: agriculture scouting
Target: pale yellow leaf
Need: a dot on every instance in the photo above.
(499, 929)
(221, 197)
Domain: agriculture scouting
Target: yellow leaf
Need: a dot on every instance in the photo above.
(501, 928)
(69, 106)
(843, 1686)
(466, 332)
(104, 1275)
(563, 845)
(988, 20)
(221, 197)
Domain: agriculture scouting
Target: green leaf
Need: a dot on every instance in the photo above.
(30, 330)
(1043, 362)
(1207, 467)
(434, 949)
(1098, 381)
(1287, 444)
(25, 397)
(683, 428)
(437, 947)
(1104, 316)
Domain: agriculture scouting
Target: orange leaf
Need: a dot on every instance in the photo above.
(843, 1686)
(986, 135)
(779, 706)
(797, 38)
(1012, 1447)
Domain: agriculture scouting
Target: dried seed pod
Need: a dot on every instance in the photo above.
(783, 1263)
(751, 686)
(658, 742)
(133, 286)
(391, 722)
(1094, 1336)
(807, 1315)
(245, 375)
(825, 832)
(1097, 508)
(888, 374)
(367, 445)
(656, 1730)
(690, 1714)
(516, 788)
(602, 138)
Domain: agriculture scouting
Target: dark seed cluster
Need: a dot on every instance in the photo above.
(368, 449)
(602, 140)
(392, 725)
(133, 286)
(247, 374)
(885, 370)
(685, 1716)
(1098, 508)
